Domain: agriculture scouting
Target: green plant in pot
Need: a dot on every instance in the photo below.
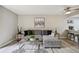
(32, 38)
(31, 35)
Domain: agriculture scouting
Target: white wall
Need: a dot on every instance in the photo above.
(54, 21)
(8, 26)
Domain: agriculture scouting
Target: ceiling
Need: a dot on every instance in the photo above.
(36, 9)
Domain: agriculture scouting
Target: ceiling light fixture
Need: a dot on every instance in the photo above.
(68, 12)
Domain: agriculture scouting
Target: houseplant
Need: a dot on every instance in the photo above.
(31, 35)
(32, 38)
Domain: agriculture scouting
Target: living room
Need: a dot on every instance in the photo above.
(38, 22)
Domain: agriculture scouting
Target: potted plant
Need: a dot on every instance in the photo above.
(32, 38)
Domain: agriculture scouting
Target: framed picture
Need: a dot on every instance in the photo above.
(39, 22)
(70, 21)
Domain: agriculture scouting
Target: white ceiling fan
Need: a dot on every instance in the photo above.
(69, 10)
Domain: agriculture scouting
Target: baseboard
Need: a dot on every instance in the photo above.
(5, 43)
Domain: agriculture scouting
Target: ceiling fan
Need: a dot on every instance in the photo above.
(69, 10)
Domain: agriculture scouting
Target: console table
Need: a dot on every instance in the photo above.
(74, 34)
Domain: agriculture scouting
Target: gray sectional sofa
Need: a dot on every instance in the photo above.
(50, 41)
